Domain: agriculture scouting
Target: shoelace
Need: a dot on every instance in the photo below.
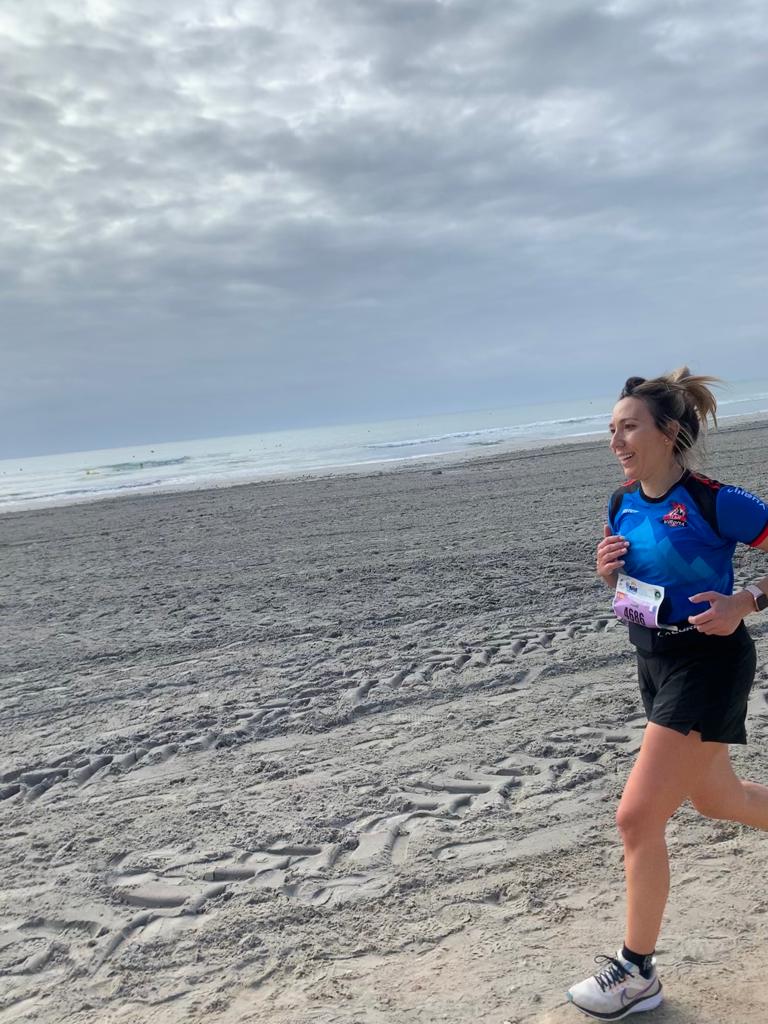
(611, 975)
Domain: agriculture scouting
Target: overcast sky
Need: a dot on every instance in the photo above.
(220, 216)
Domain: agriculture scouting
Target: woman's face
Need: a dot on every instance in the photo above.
(636, 441)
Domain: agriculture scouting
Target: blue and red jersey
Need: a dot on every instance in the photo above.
(684, 541)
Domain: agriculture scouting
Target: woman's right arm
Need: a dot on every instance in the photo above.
(610, 557)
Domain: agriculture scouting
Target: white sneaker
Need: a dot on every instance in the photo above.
(616, 991)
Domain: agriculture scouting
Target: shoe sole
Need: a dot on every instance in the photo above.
(642, 1004)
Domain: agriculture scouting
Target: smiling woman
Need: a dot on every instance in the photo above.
(667, 553)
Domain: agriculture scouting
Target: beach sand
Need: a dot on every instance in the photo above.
(345, 749)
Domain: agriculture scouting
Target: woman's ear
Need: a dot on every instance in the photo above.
(672, 432)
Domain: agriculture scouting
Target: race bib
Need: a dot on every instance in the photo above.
(638, 602)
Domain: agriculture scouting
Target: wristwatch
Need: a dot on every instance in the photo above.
(760, 599)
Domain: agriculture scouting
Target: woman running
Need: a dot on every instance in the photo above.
(667, 554)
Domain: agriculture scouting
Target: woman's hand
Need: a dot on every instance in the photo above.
(724, 613)
(610, 555)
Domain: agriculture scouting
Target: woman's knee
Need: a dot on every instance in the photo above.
(639, 821)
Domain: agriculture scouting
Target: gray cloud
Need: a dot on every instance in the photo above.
(225, 216)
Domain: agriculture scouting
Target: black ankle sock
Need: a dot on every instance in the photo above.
(643, 961)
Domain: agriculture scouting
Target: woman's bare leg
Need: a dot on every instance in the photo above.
(668, 769)
(719, 793)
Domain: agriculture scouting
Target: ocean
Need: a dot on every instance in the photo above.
(51, 480)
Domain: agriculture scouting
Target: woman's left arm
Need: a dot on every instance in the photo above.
(742, 517)
(726, 612)
(761, 583)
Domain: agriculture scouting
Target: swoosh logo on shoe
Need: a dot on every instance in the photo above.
(640, 995)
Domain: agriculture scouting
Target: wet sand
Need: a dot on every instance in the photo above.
(347, 750)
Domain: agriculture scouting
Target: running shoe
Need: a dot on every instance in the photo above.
(617, 990)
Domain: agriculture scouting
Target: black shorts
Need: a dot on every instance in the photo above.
(696, 682)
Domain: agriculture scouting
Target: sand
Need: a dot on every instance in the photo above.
(347, 750)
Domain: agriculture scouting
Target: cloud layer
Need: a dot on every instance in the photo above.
(223, 216)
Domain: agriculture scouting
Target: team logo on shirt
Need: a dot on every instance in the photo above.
(677, 515)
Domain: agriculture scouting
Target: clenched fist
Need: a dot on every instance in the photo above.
(610, 556)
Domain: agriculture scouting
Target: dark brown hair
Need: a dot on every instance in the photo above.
(678, 398)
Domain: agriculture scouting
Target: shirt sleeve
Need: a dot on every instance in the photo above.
(742, 516)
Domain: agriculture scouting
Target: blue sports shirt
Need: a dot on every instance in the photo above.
(684, 541)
